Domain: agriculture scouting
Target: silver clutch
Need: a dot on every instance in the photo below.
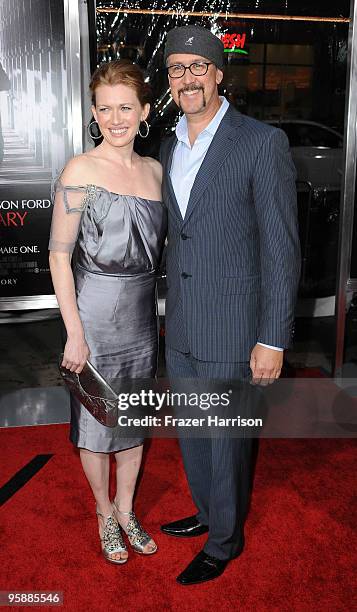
(93, 391)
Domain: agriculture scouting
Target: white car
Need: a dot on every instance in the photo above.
(316, 151)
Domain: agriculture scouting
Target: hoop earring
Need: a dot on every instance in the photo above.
(90, 131)
(147, 130)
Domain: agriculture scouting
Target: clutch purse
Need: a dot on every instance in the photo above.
(93, 391)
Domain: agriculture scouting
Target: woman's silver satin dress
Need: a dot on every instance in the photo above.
(117, 254)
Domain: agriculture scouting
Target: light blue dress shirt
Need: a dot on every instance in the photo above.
(187, 160)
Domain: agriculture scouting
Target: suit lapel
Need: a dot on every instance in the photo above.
(222, 144)
(171, 193)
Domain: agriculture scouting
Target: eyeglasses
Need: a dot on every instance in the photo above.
(176, 71)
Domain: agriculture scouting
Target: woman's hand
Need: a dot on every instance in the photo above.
(76, 353)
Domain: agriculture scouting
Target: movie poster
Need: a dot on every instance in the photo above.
(34, 140)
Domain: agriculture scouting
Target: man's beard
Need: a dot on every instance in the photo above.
(192, 88)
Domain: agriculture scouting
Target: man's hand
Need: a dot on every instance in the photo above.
(266, 364)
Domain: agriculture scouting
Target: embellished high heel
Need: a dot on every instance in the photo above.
(111, 540)
(137, 536)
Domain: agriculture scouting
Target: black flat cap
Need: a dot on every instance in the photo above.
(195, 40)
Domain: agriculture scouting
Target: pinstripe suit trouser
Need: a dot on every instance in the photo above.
(218, 469)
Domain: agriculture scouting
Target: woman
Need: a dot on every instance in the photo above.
(108, 205)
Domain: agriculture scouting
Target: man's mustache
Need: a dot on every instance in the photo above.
(190, 88)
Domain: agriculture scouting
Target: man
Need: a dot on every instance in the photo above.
(232, 275)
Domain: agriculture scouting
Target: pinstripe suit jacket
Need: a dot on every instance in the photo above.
(233, 262)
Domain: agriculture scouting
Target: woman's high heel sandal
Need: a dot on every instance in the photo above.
(111, 540)
(138, 537)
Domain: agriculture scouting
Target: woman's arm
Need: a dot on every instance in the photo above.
(76, 350)
(66, 220)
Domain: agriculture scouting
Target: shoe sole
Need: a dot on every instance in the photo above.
(139, 552)
(116, 562)
(184, 535)
(198, 581)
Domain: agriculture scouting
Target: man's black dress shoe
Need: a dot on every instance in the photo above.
(185, 528)
(203, 567)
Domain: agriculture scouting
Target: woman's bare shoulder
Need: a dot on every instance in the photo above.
(78, 170)
(155, 166)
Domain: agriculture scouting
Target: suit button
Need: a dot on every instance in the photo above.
(184, 236)
(185, 275)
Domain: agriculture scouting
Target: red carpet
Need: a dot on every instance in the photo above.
(300, 554)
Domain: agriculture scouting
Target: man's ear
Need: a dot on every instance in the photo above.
(219, 76)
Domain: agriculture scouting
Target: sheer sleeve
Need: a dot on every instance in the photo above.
(69, 202)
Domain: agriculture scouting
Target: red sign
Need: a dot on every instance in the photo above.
(234, 43)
